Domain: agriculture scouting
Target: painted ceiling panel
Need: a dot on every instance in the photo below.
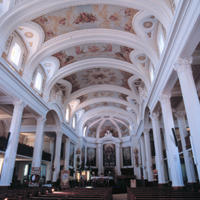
(93, 131)
(103, 104)
(124, 130)
(87, 51)
(97, 76)
(86, 17)
(108, 125)
(98, 94)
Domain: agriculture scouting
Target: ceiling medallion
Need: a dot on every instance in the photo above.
(62, 87)
(142, 58)
(47, 64)
(148, 24)
(29, 34)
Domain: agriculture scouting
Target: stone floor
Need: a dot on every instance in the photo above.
(120, 196)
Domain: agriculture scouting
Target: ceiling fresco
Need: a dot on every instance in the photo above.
(108, 125)
(97, 76)
(98, 94)
(87, 51)
(124, 121)
(103, 104)
(86, 17)
(92, 120)
(124, 129)
(93, 130)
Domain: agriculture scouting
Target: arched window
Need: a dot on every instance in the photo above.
(15, 53)
(67, 114)
(38, 82)
(161, 43)
(160, 39)
(151, 72)
(74, 122)
(84, 131)
(38, 79)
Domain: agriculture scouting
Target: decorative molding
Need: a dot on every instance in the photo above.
(143, 93)
(183, 64)
(108, 134)
(18, 1)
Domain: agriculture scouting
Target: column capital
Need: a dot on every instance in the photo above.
(99, 145)
(41, 119)
(19, 103)
(154, 116)
(180, 114)
(67, 139)
(183, 64)
(164, 98)
(146, 131)
(117, 144)
(59, 134)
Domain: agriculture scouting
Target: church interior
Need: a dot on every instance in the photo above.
(100, 94)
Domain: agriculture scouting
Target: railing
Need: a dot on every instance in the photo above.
(180, 149)
(24, 150)
(2, 143)
(164, 154)
(187, 142)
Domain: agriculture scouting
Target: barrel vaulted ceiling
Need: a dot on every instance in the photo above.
(97, 53)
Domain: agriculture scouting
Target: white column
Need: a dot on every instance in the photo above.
(180, 115)
(57, 156)
(10, 155)
(118, 158)
(191, 102)
(173, 155)
(67, 152)
(100, 161)
(148, 155)
(49, 166)
(158, 148)
(39, 139)
(143, 157)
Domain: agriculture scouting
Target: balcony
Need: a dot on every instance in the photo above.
(24, 150)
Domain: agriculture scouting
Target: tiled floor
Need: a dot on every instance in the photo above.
(120, 196)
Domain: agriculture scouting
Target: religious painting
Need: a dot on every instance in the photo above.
(126, 153)
(83, 157)
(71, 157)
(91, 156)
(109, 158)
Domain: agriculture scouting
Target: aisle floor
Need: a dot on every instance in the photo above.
(120, 196)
